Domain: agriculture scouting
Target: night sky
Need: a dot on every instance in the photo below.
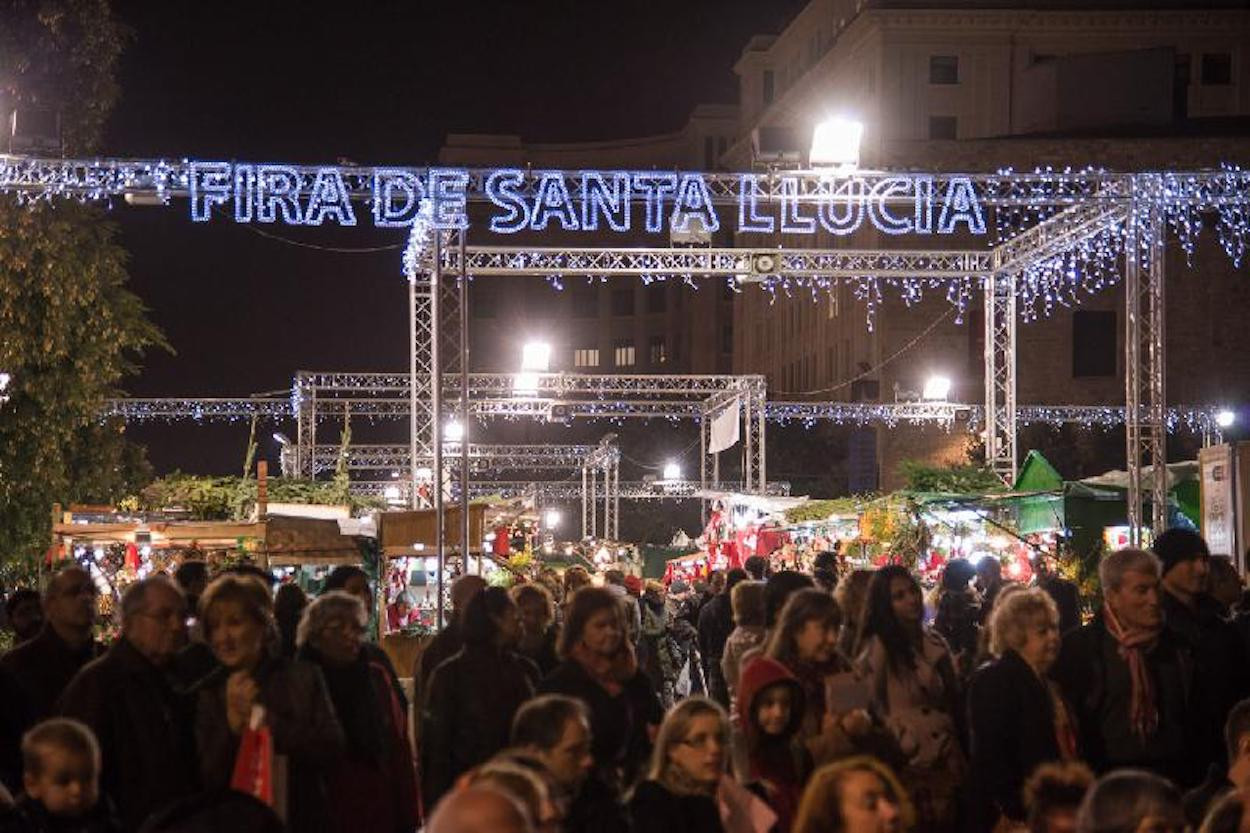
(372, 83)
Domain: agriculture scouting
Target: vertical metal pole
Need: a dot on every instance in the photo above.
(703, 467)
(1158, 368)
(616, 498)
(465, 544)
(1132, 369)
(761, 470)
(413, 387)
(607, 500)
(748, 469)
(436, 404)
(585, 514)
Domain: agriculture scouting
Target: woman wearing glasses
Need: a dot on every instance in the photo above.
(375, 780)
(679, 792)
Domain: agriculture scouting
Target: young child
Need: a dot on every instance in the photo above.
(773, 763)
(61, 780)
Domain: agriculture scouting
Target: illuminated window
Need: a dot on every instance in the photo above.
(586, 357)
(623, 353)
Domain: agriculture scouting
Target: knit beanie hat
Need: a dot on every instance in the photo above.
(1177, 545)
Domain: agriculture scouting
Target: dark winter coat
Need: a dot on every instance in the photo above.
(1067, 598)
(1220, 681)
(375, 782)
(597, 808)
(467, 715)
(656, 810)
(29, 816)
(618, 723)
(32, 677)
(1095, 682)
(145, 728)
(445, 644)
(716, 622)
(306, 734)
(1012, 720)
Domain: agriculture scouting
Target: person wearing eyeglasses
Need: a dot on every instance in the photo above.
(142, 721)
(679, 793)
(375, 781)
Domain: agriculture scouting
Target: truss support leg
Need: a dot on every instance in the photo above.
(436, 408)
(703, 467)
(1001, 452)
(1145, 359)
(590, 500)
(306, 430)
(585, 514)
(462, 288)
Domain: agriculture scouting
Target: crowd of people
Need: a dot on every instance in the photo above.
(757, 702)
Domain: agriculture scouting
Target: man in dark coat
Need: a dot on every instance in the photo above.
(716, 622)
(1220, 781)
(1064, 593)
(145, 726)
(33, 675)
(555, 729)
(1127, 678)
(1220, 661)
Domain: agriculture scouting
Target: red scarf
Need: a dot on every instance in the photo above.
(1133, 643)
(609, 672)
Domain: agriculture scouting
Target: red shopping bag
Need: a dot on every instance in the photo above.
(253, 766)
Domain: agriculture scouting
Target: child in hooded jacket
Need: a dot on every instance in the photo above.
(773, 762)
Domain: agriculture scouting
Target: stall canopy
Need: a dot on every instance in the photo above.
(411, 532)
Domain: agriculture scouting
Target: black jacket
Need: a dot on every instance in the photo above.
(29, 816)
(618, 724)
(467, 714)
(145, 729)
(656, 810)
(1067, 598)
(1095, 682)
(1220, 669)
(305, 731)
(32, 677)
(597, 808)
(1012, 722)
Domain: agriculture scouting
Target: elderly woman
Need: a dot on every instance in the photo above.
(255, 686)
(375, 781)
(599, 668)
(1017, 716)
(854, 795)
(679, 794)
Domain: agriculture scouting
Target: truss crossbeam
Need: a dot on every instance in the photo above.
(571, 491)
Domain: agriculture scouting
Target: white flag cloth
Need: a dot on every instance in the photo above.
(725, 428)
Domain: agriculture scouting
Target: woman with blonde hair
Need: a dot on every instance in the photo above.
(1017, 717)
(256, 686)
(679, 792)
(854, 795)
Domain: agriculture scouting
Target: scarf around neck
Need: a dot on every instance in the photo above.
(677, 781)
(1133, 644)
(612, 672)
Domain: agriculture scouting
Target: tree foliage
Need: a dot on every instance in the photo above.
(71, 330)
(956, 479)
(232, 498)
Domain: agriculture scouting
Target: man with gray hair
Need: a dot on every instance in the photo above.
(33, 675)
(1126, 678)
(143, 723)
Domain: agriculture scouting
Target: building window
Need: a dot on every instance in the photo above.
(769, 87)
(709, 152)
(586, 357)
(720, 147)
(585, 301)
(657, 297)
(623, 301)
(943, 69)
(1093, 343)
(831, 364)
(1217, 68)
(657, 351)
(1180, 87)
(623, 354)
(727, 338)
(943, 127)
